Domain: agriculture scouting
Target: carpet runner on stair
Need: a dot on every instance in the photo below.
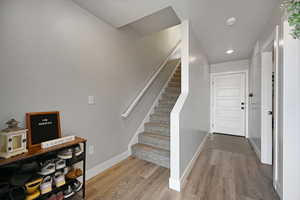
(154, 143)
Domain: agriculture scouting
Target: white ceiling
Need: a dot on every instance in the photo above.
(207, 18)
(156, 22)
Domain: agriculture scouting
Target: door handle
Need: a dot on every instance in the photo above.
(270, 112)
(242, 103)
(242, 108)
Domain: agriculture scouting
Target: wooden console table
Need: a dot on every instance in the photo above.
(37, 153)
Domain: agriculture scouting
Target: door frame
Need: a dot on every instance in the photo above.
(274, 40)
(266, 127)
(268, 144)
(212, 75)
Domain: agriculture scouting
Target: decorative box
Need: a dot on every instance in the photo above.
(13, 140)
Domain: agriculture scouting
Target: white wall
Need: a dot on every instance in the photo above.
(54, 54)
(290, 119)
(192, 110)
(239, 65)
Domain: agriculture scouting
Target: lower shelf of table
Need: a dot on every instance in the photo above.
(60, 189)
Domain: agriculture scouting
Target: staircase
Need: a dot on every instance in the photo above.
(154, 143)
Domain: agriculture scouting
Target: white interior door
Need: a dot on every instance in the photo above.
(229, 104)
(267, 108)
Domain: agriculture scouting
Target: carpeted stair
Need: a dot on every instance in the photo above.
(154, 142)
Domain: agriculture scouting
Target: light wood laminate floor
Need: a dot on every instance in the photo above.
(227, 169)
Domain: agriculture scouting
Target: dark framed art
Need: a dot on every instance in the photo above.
(42, 127)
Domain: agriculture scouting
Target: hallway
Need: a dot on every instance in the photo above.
(226, 169)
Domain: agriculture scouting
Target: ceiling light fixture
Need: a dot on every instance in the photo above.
(231, 21)
(230, 51)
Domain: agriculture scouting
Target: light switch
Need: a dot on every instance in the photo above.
(91, 100)
(91, 149)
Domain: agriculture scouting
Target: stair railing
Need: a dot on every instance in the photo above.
(154, 76)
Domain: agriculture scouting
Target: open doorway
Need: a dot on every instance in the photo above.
(269, 98)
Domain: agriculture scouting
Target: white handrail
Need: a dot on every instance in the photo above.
(143, 91)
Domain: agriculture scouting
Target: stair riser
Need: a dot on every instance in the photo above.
(153, 146)
(160, 114)
(173, 90)
(163, 102)
(155, 142)
(159, 130)
(169, 98)
(176, 79)
(163, 109)
(171, 94)
(174, 84)
(156, 118)
(152, 157)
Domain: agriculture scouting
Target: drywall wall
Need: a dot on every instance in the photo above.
(290, 115)
(239, 65)
(155, 22)
(54, 54)
(195, 113)
(191, 113)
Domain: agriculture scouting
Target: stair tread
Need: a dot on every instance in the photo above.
(154, 142)
(163, 111)
(163, 106)
(150, 148)
(155, 135)
(173, 93)
(167, 103)
(173, 88)
(161, 114)
(172, 98)
(160, 124)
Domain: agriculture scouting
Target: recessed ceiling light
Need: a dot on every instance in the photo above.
(230, 51)
(231, 21)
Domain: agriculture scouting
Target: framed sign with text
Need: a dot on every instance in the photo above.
(42, 127)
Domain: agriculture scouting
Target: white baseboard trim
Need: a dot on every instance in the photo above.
(106, 165)
(134, 139)
(178, 184)
(256, 149)
(174, 184)
(278, 189)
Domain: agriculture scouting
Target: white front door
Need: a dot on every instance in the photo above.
(229, 103)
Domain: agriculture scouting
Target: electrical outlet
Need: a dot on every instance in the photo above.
(91, 149)
(91, 100)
